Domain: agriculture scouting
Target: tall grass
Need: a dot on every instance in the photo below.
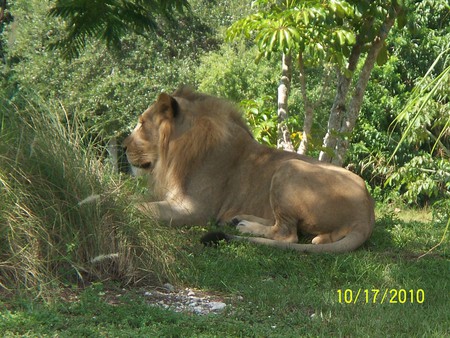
(64, 216)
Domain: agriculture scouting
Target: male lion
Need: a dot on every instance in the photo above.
(206, 165)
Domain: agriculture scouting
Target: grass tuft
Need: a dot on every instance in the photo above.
(65, 217)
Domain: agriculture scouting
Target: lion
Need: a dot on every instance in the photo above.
(206, 166)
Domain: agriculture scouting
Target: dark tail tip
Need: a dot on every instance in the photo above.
(213, 238)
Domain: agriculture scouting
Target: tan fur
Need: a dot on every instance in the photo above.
(207, 166)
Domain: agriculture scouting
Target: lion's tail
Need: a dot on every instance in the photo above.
(350, 242)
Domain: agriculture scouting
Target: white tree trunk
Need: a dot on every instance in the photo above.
(339, 105)
(284, 138)
(357, 98)
(113, 153)
(308, 108)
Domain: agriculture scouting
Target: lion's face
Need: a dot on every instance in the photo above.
(143, 144)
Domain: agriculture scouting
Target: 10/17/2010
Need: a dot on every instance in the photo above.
(379, 296)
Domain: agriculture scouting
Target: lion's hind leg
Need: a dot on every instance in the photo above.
(331, 236)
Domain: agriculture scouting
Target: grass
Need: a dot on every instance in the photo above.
(64, 216)
(270, 292)
(50, 285)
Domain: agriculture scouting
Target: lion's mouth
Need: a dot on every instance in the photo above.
(146, 165)
(137, 164)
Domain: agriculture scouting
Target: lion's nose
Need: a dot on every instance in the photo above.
(125, 143)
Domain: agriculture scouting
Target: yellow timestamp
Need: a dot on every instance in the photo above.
(381, 296)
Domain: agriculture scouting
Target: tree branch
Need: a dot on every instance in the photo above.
(357, 98)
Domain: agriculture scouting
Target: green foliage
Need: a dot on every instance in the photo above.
(441, 213)
(108, 20)
(421, 179)
(426, 112)
(291, 26)
(262, 122)
(405, 113)
(231, 73)
(106, 90)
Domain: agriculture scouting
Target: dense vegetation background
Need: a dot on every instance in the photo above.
(107, 86)
(68, 94)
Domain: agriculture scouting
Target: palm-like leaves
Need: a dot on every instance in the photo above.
(299, 25)
(108, 20)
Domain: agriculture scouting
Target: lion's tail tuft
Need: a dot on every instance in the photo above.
(214, 238)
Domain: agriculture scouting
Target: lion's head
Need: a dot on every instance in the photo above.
(178, 130)
(144, 145)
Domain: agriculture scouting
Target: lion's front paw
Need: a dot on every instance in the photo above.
(235, 222)
(243, 226)
(144, 207)
(141, 207)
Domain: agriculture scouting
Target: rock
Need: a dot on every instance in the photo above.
(169, 287)
(186, 300)
(217, 306)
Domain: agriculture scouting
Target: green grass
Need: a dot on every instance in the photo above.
(271, 292)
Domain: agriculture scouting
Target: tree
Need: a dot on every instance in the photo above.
(284, 138)
(297, 28)
(108, 20)
(331, 31)
(342, 119)
(2, 11)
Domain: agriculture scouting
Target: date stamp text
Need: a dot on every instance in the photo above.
(381, 296)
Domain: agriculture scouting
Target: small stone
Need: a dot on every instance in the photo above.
(147, 294)
(217, 306)
(198, 310)
(169, 287)
(191, 293)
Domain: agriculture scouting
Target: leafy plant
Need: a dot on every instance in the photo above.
(422, 179)
(262, 122)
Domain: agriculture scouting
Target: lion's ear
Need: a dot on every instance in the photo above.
(167, 106)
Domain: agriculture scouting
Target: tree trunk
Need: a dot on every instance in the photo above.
(113, 153)
(358, 95)
(339, 105)
(284, 138)
(308, 108)
(2, 11)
